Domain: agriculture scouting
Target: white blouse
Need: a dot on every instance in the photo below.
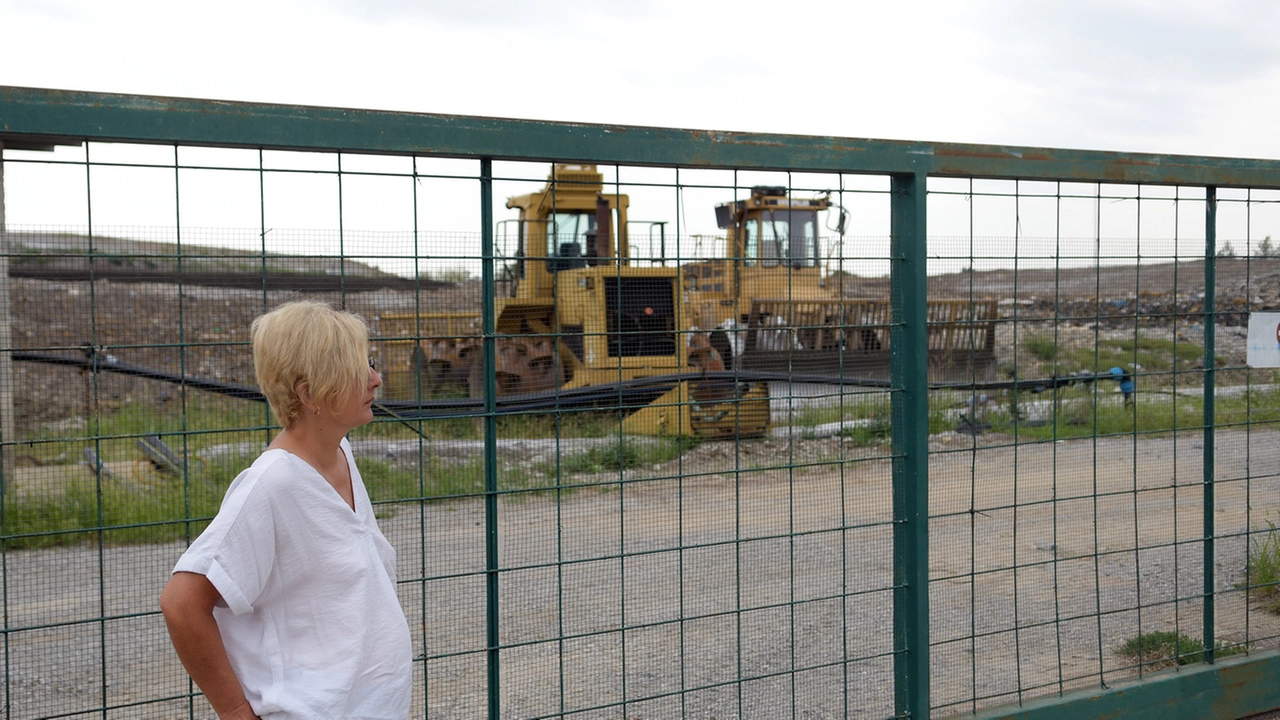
(310, 616)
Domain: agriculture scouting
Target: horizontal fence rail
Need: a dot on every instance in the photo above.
(674, 423)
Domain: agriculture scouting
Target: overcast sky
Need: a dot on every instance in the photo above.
(1172, 76)
(1194, 77)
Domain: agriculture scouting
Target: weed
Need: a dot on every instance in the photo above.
(1165, 648)
(1264, 565)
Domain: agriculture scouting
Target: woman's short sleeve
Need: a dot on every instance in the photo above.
(237, 551)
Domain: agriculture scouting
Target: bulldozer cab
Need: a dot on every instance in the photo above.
(780, 237)
(570, 223)
(571, 240)
(772, 250)
(771, 230)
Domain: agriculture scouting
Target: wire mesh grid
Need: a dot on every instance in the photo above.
(661, 486)
(1097, 518)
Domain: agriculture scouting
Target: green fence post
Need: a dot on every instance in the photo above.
(909, 380)
(1210, 290)
(6, 376)
(8, 430)
(490, 432)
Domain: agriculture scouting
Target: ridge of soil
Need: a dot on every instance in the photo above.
(199, 327)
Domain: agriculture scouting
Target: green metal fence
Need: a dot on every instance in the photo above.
(983, 439)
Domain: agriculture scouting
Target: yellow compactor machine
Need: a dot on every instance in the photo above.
(773, 304)
(579, 314)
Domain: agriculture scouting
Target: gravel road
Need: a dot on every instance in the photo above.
(771, 570)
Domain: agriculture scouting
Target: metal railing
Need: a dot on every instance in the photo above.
(1046, 469)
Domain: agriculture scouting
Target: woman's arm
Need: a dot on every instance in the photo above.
(187, 603)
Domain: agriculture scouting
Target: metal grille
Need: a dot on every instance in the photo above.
(640, 316)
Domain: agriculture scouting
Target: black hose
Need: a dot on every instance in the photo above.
(626, 395)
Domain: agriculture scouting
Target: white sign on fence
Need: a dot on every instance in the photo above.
(1264, 340)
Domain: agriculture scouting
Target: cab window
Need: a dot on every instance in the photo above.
(567, 234)
(787, 237)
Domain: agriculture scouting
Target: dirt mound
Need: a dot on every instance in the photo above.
(194, 319)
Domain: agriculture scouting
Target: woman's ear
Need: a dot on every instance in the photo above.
(303, 391)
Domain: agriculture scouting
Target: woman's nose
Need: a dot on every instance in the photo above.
(375, 379)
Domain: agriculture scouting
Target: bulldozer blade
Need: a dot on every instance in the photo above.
(944, 365)
(668, 415)
(678, 412)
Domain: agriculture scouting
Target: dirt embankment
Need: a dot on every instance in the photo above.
(142, 315)
(1113, 294)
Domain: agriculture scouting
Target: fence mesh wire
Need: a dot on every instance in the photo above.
(689, 506)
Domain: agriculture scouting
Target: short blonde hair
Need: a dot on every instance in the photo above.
(309, 342)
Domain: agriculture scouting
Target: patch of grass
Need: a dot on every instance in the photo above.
(1082, 412)
(209, 420)
(1165, 648)
(124, 511)
(127, 512)
(588, 424)
(1259, 406)
(1156, 358)
(868, 416)
(516, 425)
(819, 415)
(70, 506)
(879, 430)
(388, 483)
(1264, 566)
(1085, 410)
(855, 406)
(1151, 354)
(622, 456)
(438, 480)
(435, 480)
(1042, 347)
(626, 454)
(152, 510)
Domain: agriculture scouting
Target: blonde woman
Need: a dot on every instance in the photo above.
(286, 606)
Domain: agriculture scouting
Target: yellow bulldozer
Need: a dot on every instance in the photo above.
(579, 315)
(772, 306)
